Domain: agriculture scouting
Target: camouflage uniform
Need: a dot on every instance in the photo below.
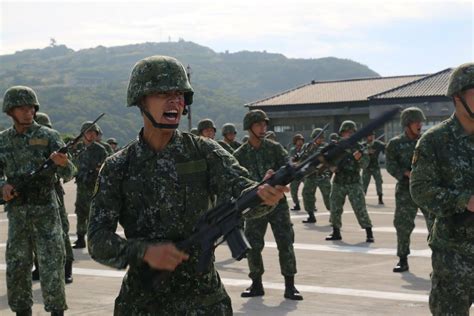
(270, 155)
(295, 184)
(399, 153)
(158, 196)
(33, 217)
(442, 182)
(232, 146)
(373, 169)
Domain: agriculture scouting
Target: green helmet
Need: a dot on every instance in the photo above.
(19, 96)
(205, 123)
(271, 135)
(194, 131)
(228, 128)
(461, 78)
(410, 115)
(315, 132)
(347, 125)
(158, 74)
(43, 119)
(112, 140)
(254, 116)
(297, 137)
(334, 137)
(86, 125)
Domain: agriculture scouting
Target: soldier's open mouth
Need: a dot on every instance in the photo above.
(171, 115)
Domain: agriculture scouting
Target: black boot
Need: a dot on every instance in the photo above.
(402, 265)
(80, 242)
(296, 208)
(57, 313)
(311, 219)
(25, 312)
(335, 235)
(290, 290)
(35, 275)
(370, 235)
(256, 289)
(380, 200)
(68, 272)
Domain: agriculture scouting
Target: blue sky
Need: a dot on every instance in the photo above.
(391, 37)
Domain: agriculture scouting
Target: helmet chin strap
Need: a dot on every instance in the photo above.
(464, 103)
(155, 123)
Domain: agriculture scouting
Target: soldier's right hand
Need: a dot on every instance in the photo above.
(470, 204)
(164, 256)
(8, 192)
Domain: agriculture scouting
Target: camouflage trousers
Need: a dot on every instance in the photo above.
(83, 205)
(65, 225)
(33, 227)
(357, 199)
(309, 193)
(367, 174)
(294, 186)
(282, 228)
(452, 283)
(404, 219)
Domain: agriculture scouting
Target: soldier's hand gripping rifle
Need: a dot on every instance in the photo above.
(222, 223)
(297, 156)
(27, 178)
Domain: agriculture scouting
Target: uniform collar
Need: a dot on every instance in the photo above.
(456, 127)
(30, 131)
(144, 152)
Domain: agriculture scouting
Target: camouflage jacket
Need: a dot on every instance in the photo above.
(442, 182)
(348, 168)
(226, 146)
(107, 147)
(374, 149)
(293, 152)
(270, 155)
(398, 156)
(159, 196)
(88, 162)
(307, 150)
(21, 154)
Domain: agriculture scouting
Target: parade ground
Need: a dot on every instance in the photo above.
(348, 277)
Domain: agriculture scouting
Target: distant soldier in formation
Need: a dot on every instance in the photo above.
(106, 145)
(88, 163)
(207, 128)
(43, 119)
(295, 151)
(347, 182)
(33, 216)
(229, 133)
(333, 137)
(399, 154)
(258, 155)
(374, 148)
(113, 143)
(315, 180)
(442, 181)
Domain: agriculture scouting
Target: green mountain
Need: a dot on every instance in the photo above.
(74, 86)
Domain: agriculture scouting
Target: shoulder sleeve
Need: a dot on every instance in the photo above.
(392, 162)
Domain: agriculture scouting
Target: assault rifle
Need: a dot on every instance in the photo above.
(27, 178)
(366, 145)
(297, 156)
(222, 223)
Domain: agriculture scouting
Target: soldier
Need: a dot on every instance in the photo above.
(315, 180)
(206, 128)
(229, 133)
(113, 143)
(88, 163)
(346, 182)
(106, 145)
(334, 138)
(157, 188)
(258, 155)
(374, 147)
(43, 119)
(33, 216)
(271, 135)
(399, 153)
(295, 151)
(442, 181)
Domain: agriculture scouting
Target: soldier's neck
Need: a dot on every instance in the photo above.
(254, 141)
(466, 122)
(21, 128)
(157, 138)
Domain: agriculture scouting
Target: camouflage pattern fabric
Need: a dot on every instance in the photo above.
(88, 163)
(294, 185)
(107, 147)
(347, 182)
(270, 155)
(399, 154)
(33, 218)
(226, 146)
(19, 96)
(442, 182)
(64, 221)
(159, 196)
(461, 78)
(373, 169)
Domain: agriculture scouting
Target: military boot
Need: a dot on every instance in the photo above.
(68, 272)
(296, 208)
(380, 200)
(311, 219)
(256, 289)
(290, 290)
(25, 312)
(80, 242)
(370, 235)
(35, 274)
(402, 265)
(335, 235)
(57, 313)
